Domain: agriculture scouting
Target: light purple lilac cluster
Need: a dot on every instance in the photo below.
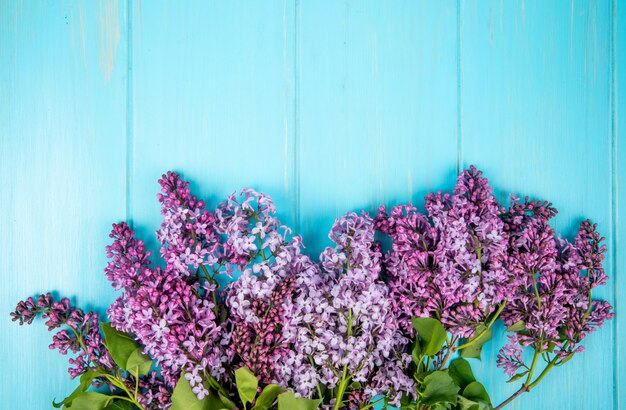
(448, 263)
(341, 323)
(270, 262)
(551, 308)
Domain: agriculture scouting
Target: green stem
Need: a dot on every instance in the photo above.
(451, 350)
(536, 290)
(542, 375)
(532, 367)
(344, 376)
(526, 387)
(372, 404)
(481, 334)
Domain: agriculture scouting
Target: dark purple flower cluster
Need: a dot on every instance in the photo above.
(448, 263)
(79, 332)
(551, 308)
(173, 312)
(80, 335)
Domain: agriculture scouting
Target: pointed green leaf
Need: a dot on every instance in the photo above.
(461, 372)
(517, 326)
(138, 362)
(184, 398)
(473, 351)
(90, 400)
(467, 404)
(85, 382)
(289, 401)
(476, 391)
(267, 397)
(226, 402)
(432, 334)
(416, 352)
(119, 344)
(517, 377)
(247, 384)
(566, 359)
(439, 388)
(120, 405)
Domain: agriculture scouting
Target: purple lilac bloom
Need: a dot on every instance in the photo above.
(190, 242)
(80, 335)
(448, 264)
(172, 318)
(555, 278)
(510, 357)
(173, 312)
(344, 318)
(256, 301)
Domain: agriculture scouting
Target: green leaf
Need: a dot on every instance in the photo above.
(120, 405)
(138, 363)
(226, 402)
(431, 332)
(90, 401)
(517, 326)
(467, 404)
(85, 382)
(119, 344)
(476, 391)
(439, 388)
(416, 353)
(517, 377)
(215, 401)
(267, 397)
(184, 398)
(289, 401)
(473, 351)
(461, 372)
(247, 384)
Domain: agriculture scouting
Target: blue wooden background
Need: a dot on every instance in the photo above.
(328, 106)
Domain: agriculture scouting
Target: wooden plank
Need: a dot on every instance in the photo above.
(377, 106)
(619, 190)
(213, 99)
(62, 161)
(536, 118)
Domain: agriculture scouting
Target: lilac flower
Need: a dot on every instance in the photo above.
(448, 264)
(552, 302)
(190, 243)
(256, 301)
(341, 324)
(81, 335)
(510, 357)
(173, 319)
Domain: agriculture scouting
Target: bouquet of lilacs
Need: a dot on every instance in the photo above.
(358, 329)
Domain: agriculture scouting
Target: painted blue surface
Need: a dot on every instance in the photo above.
(328, 106)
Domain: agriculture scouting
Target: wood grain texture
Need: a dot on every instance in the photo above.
(62, 161)
(377, 88)
(327, 106)
(535, 110)
(619, 197)
(214, 99)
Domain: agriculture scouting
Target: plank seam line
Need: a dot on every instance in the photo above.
(614, 186)
(129, 113)
(296, 118)
(459, 131)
